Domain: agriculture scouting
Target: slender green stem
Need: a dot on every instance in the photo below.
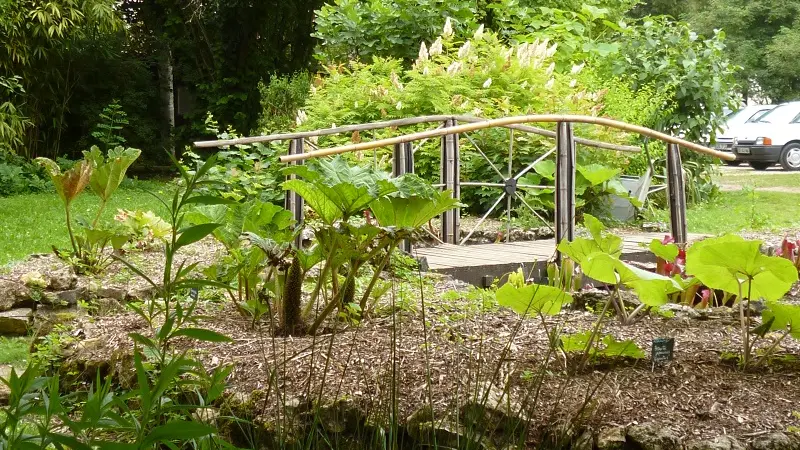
(69, 230)
(333, 303)
(99, 213)
(594, 334)
(376, 276)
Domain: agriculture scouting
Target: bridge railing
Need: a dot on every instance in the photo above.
(450, 132)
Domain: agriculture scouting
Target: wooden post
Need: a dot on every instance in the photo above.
(403, 159)
(403, 163)
(676, 192)
(565, 184)
(293, 201)
(450, 179)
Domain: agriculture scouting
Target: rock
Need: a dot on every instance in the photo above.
(47, 318)
(682, 310)
(612, 438)
(724, 442)
(776, 441)
(140, 294)
(584, 441)
(589, 297)
(494, 413)
(62, 280)
(16, 321)
(13, 295)
(650, 436)
(5, 372)
(107, 306)
(428, 430)
(207, 416)
(34, 280)
(65, 298)
(118, 294)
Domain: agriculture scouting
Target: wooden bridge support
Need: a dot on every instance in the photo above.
(293, 201)
(676, 193)
(403, 163)
(565, 184)
(450, 177)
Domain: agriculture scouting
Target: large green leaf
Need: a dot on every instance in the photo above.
(597, 174)
(725, 262)
(532, 299)
(783, 316)
(71, 183)
(324, 207)
(667, 252)
(651, 288)
(193, 234)
(411, 212)
(623, 349)
(177, 430)
(107, 176)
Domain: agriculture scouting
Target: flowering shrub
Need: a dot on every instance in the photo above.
(478, 76)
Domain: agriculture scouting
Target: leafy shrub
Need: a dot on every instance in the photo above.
(144, 228)
(20, 176)
(361, 30)
(244, 172)
(281, 99)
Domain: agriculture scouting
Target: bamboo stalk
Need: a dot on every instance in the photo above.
(401, 123)
(511, 121)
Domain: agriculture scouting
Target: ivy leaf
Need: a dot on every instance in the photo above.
(725, 262)
(532, 299)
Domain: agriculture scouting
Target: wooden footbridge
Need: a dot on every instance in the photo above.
(474, 263)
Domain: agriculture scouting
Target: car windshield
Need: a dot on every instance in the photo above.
(781, 114)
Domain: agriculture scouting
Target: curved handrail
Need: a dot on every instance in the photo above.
(401, 123)
(505, 121)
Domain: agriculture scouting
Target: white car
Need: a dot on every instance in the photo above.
(773, 138)
(733, 122)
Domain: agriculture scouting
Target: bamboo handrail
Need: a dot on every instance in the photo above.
(511, 121)
(400, 123)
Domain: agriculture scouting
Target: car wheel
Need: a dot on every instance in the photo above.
(790, 157)
(760, 165)
(733, 163)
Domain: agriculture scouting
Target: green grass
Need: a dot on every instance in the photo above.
(33, 223)
(14, 351)
(737, 211)
(769, 179)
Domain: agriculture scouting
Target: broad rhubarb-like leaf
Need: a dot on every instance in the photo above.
(783, 316)
(725, 262)
(71, 183)
(107, 174)
(411, 212)
(532, 299)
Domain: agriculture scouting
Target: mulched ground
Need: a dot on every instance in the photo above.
(700, 393)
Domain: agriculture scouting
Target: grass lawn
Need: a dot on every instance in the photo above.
(736, 211)
(768, 179)
(14, 351)
(33, 223)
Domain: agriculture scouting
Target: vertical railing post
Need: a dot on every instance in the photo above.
(403, 163)
(565, 184)
(676, 192)
(450, 176)
(293, 201)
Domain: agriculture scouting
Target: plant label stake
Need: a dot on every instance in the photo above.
(663, 350)
(194, 293)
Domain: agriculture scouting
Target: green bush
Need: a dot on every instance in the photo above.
(280, 100)
(20, 176)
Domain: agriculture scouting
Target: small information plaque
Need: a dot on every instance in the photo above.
(663, 350)
(194, 293)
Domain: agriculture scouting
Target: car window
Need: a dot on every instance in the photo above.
(758, 115)
(796, 119)
(782, 114)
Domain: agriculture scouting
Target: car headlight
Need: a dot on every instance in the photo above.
(763, 141)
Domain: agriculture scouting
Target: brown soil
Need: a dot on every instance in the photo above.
(698, 393)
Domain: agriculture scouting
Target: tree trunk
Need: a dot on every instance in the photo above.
(167, 90)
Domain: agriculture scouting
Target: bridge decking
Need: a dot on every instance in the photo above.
(471, 263)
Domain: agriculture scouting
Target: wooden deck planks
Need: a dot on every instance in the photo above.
(448, 256)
